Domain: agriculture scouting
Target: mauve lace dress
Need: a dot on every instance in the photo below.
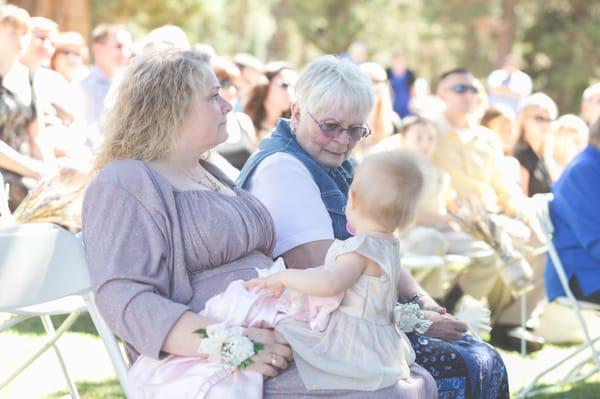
(155, 252)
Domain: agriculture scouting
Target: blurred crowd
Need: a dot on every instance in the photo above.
(487, 144)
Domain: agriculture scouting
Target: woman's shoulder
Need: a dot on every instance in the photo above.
(130, 176)
(128, 171)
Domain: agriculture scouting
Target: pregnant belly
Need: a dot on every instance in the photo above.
(211, 282)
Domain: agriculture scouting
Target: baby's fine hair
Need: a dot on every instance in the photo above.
(388, 187)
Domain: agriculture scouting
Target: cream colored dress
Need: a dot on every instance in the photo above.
(360, 349)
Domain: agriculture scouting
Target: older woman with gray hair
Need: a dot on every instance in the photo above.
(302, 173)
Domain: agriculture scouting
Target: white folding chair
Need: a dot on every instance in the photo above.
(576, 373)
(5, 214)
(42, 273)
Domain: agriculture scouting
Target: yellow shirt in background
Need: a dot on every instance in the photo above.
(473, 158)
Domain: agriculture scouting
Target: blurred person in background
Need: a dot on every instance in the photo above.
(473, 157)
(251, 71)
(535, 119)
(433, 233)
(402, 81)
(65, 125)
(18, 112)
(576, 220)
(501, 120)
(383, 121)
(271, 98)
(70, 56)
(40, 48)
(509, 85)
(590, 104)
(568, 138)
(166, 36)
(111, 49)
(241, 141)
(357, 53)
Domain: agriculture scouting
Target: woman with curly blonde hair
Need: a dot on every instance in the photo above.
(164, 229)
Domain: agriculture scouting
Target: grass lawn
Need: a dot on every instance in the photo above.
(92, 371)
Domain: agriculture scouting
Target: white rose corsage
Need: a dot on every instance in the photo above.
(408, 317)
(227, 346)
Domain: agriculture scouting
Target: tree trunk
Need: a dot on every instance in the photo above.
(70, 15)
(506, 36)
(277, 45)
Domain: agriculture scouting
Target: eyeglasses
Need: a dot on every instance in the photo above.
(68, 52)
(332, 130)
(541, 119)
(462, 88)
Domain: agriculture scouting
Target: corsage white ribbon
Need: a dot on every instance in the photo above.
(408, 317)
(227, 346)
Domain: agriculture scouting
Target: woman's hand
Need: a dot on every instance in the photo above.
(270, 283)
(275, 355)
(445, 326)
(428, 303)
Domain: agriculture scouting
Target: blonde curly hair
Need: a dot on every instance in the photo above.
(151, 102)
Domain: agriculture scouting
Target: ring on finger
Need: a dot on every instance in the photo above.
(274, 358)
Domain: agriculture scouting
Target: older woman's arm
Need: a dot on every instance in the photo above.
(302, 224)
(307, 255)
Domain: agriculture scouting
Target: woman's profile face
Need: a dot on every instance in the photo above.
(68, 62)
(421, 138)
(567, 144)
(329, 152)
(536, 125)
(281, 90)
(12, 39)
(204, 124)
(506, 130)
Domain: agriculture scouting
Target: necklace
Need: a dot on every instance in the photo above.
(211, 185)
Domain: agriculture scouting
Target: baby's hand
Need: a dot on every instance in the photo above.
(270, 283)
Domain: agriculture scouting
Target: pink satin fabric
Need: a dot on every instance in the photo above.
(193, 377)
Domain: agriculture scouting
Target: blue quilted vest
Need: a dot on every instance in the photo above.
(333, 183)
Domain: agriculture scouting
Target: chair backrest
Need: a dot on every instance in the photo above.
(542, 208)
(543, 216)
(40, 262)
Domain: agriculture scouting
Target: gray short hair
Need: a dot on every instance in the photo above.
(332, 83)
(591, 90)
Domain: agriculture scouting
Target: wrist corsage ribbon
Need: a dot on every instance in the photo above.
(227, 346)
(408, 317)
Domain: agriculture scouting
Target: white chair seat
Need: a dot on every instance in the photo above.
(60, 306)
(43, 273)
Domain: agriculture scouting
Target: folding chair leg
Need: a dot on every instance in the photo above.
(523, 323)
(531, 390)
(110, 343)
(63, 327)
(49, 327)
(13, 321)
